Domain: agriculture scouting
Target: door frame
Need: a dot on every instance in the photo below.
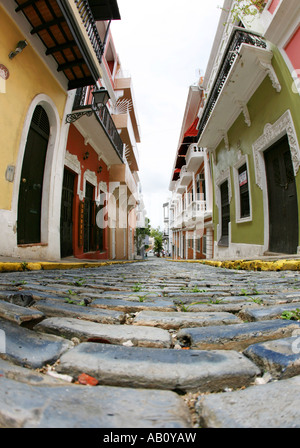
(282, 194)
(225, 176)
(49, 177)
(272, 134)
(74, 175)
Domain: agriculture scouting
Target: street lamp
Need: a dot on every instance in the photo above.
(100, 98)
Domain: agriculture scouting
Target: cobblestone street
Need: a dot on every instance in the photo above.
(165, 345)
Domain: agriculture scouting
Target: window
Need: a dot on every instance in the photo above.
(204, 245)
(200, 185)
(244, 192)
(242, 189)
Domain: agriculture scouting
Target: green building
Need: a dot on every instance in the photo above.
(250, 126)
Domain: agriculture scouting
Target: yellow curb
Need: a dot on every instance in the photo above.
(46, 265)
(78, 265)
(33, 267)
(11, 267)
(57, 266)
(250, 265)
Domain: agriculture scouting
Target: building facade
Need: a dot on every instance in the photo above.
(190, 208)
(56, 171)
(238, 157)
(99, 214)
(250, 127)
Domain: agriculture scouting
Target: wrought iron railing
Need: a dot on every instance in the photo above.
(90, 26)
(84, 101)
(239, 37)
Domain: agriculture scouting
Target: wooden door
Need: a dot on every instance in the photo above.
(66, 217)
(225, 214)
(88, 217)
(32, 175)
(282, 197)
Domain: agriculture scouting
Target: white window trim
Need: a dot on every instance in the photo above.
(272, 133)
(242, 161)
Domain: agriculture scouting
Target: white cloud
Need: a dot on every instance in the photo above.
(163, 44)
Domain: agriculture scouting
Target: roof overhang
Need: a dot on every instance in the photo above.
(105, 9)
(59, 26)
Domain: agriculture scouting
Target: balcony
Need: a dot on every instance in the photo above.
(124, 125)
(123, 86)
(194, 158)
(245, 65)
(192, 216)
(106, 136)
(122, 174)
(184, 180)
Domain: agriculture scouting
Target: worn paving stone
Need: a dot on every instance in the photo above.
(133, 307)
(267, 313)
(28, 376)
(214, 300)
(19, 314)
(173, 320)
(51, 308)
(236, 337)
(197, 296)
(38, 295)
(112, 334)
(29, 348)
(27, 406)
(221, 307)
(281, 357)
(126, 296)
(17, 298)
(127, 289)
(159, 368)
(273, 405)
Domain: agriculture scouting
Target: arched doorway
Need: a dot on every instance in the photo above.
(282, 196)
(32, 175)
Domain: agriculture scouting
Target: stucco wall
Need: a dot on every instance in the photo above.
(28, 77)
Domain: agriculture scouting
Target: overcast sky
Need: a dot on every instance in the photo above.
(164, 45)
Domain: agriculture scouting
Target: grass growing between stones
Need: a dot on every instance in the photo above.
(291, 315)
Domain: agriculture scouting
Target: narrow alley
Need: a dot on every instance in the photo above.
(154, 344)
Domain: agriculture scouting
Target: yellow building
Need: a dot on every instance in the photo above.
(45, 54)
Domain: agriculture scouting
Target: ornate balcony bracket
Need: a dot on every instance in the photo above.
(245, 111)
(272, 75)
(71, 118)
(226, 139)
